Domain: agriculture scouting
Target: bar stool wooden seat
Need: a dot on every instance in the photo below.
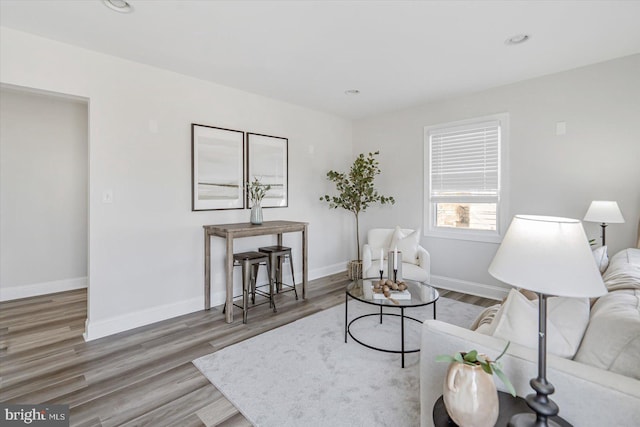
(277, 255)
(250, 263)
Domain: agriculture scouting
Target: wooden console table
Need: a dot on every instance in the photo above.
(246, 229)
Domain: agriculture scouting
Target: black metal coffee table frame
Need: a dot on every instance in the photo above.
(402, 305)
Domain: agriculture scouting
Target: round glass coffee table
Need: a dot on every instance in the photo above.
(362, 290)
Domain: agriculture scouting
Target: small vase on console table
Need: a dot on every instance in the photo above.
(256, 214)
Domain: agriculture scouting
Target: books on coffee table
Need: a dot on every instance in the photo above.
(404, 295)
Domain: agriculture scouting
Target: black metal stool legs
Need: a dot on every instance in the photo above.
(250, 263)
(271, 288)
(293, 277)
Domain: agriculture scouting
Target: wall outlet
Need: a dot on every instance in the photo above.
(561, 128)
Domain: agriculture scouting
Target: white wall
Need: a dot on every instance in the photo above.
(146, 248)
(597, 159)
(43, 194)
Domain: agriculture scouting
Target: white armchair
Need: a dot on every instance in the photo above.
(416, 261)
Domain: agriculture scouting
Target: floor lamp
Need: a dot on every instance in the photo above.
(550, 256)
(604, 212)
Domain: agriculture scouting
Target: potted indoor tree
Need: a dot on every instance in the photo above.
(356, 191)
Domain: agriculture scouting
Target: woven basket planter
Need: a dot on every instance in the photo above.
(354, 270)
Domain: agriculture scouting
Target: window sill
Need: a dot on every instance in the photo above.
(470, 235)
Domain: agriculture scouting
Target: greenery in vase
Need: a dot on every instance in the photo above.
(257, 191)
(489, 366)
(356, 190)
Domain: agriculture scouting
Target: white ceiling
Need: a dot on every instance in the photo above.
(397, 53)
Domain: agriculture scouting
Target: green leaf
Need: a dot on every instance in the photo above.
(458, 358)
(445, 358)
(504, 380)
(471, 356)
(487, 368)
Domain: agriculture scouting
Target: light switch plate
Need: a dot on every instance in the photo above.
(107, 196)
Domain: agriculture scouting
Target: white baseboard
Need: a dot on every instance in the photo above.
(25, 291)
(471, 288)
(103, 328)
(113, 325)
(317, 273)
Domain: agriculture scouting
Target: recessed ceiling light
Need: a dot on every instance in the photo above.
(118, 5)
(517, 39)
(352, 92)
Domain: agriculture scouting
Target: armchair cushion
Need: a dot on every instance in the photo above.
(414, 267)
(377, 239)
(409, 271)
(407, 244)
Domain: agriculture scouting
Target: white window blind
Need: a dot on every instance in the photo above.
(465, 163)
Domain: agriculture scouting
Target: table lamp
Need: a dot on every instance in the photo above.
(604, 212)
(550, 256)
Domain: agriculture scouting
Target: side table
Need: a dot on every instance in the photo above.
(509, 406)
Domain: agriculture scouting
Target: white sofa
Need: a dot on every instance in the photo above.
(416, 261)
(587, 395)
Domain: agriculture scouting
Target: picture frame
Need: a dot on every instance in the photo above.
(268, 160)
(217, 168)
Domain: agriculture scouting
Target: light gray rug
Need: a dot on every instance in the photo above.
(303, 373)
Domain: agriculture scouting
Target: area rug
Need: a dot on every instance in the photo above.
(304, 374)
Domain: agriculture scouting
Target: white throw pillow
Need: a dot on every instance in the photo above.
(407, 244)
(567, 319)
(486, 317)
(601, 257)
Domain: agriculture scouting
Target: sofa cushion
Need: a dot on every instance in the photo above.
(623, 271)
(612, 339)
(517, 321)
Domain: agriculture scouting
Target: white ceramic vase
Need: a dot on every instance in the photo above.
(470, 396)
(256, 214)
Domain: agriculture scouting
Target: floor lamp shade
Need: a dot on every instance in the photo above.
(548, 255)
(604, 211)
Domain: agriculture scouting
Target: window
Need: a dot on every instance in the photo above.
(464, 177)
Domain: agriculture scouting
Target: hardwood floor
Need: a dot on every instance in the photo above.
(139, 377)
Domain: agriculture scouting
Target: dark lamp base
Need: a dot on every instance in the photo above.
(529, 420)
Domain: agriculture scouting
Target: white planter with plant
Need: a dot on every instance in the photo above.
(469, 392)
(256, 192)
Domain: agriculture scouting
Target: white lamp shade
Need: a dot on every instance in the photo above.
(604, 211)
(549, 255)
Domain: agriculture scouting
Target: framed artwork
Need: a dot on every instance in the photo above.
(268, 161)
(217, 168)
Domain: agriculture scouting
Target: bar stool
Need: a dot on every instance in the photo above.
(250, 262)
(277, 254)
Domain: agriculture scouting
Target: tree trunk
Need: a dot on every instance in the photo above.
(358, 236)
